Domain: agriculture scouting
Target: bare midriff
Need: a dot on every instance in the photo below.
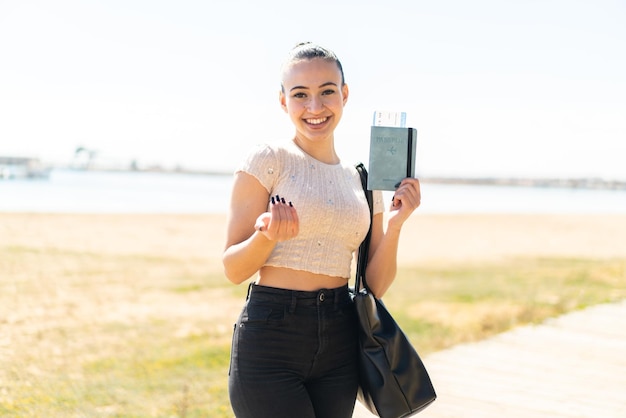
(285, 278)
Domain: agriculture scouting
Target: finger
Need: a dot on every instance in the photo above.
(410, 182)
(295, 228)
(290, 221)
(275, 219)
(411, 186)
(262, 222)
(281, 219)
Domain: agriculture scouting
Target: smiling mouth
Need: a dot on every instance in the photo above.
(316, 121)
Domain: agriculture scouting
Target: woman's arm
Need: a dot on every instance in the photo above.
(251, 231)
(383, 252)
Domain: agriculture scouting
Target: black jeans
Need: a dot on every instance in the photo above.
(294, 355)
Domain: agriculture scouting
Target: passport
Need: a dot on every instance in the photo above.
(392, 156)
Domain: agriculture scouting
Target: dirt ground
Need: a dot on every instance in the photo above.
(425, 238)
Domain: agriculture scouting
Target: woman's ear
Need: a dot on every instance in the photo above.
(346, 92)
(283, 100)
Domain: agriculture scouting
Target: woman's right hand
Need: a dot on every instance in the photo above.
(280, 223)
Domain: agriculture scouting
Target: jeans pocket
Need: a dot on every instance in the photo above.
(258, 314)
(232, 348)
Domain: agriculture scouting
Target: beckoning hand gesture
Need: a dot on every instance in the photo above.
(280, 223)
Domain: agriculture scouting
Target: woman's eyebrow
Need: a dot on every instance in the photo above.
(328, 83)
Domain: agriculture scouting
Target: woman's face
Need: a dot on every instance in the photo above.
(314, 98)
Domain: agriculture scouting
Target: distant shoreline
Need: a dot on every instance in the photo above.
(590, 183)
(568, 183)
(555, 182)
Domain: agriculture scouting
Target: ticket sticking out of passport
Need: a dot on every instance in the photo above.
(387, 118)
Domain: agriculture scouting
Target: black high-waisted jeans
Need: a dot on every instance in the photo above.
(294, 355)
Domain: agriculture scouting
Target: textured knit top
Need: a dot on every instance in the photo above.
(332, 209)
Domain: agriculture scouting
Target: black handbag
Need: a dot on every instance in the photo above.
(393, 381)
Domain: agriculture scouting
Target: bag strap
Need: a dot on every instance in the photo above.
(365, 245)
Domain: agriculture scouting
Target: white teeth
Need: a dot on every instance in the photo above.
(316, 121)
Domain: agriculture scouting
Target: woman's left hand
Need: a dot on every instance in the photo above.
(405, 200)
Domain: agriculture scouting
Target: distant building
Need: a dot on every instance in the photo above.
(22, 167)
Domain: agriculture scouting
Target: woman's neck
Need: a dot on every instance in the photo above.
(323, 151)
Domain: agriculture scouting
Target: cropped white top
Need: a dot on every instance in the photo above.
(331, 206)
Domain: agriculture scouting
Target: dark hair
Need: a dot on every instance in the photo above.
(308, 51)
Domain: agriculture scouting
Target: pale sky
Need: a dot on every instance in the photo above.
(494, 87)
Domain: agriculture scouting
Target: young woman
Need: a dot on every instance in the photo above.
(297, 214)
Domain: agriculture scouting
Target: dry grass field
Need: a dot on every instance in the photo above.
(130, 316)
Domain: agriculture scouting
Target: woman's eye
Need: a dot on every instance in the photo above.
(327, 92)
(299, 95)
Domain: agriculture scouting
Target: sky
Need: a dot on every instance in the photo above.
(499, 88)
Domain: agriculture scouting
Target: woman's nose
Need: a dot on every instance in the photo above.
(316, 105)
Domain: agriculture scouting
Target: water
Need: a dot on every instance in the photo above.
(68, 191)
(512, 199)
(116, 192)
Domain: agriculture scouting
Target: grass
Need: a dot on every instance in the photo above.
(441, 307)
(103, 335)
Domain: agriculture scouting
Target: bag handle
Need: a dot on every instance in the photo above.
(365, 245)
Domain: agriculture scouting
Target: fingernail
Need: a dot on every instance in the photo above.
(397, 184)
(290, 204)
(273, 201)
(282, 199)
(277, 198)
